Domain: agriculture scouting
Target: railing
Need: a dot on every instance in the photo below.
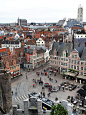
(2, 110)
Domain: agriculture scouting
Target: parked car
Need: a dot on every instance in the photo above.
(54, 90)
(73, 87)
(47, 85)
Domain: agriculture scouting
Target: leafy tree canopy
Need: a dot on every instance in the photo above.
(58, 110)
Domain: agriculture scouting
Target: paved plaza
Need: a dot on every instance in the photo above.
(24, 86)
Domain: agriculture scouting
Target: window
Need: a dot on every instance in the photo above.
(72, 56)
(66, 64)
(85, 68)
(81, 68)
(69, 60)
(78, 62)
(82, 63)
(74, 61)
(61, 58)
(81, 73)
(77, 67)
(55, 57)
(74, 67)
(75, 56)
(66, 59)
(62, 63)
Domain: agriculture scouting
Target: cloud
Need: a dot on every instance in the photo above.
(39, 11)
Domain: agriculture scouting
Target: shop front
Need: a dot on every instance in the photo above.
(81, 78)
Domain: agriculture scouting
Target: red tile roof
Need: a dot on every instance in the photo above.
(3, 49)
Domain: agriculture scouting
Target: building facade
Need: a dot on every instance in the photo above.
(22, 22)
(40, 42)
(37, 56)
(11, 44)
(70, 59)
(80, 14)
(12, 64)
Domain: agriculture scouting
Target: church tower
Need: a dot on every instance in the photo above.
(80, 14)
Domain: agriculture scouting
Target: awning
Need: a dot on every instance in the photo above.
(32, 108)
(70, 74)
(81, 76)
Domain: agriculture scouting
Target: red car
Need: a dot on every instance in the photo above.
(46, 85)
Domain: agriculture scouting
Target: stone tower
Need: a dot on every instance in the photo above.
(80, 14)
(5, 90)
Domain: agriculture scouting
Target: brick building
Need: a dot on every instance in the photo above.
(11, 62)
(63, 57)
(37, 56)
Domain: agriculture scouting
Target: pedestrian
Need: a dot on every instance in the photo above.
(56, 81)
(44, 94)
(63, 88)
(33, 85)
(41, 93)
(40, 78)
(59, 88)
(26, 75)
(12, 92)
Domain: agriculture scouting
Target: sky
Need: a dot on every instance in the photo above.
(40, 10)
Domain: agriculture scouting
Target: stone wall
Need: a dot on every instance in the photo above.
(5, 80)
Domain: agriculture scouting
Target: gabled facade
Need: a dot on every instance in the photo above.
(40, 42)
(12, 64)
(37, 56)
(70, 59)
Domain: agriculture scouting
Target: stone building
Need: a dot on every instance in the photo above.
(5, 91)
(80, 14)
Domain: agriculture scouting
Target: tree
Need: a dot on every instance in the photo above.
(48, 29)
(58, 110)
(43, 29)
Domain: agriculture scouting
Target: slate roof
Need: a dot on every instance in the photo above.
(60, 22)
(80, 50)
(71, 23)
(39, 50)
(10, 42)
(79, 41)
(60, 48)
(83, 54)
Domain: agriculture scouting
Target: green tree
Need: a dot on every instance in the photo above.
(43, 29)
(58, 110)
(48, 29)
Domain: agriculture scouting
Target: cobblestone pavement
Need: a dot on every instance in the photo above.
(24, 86)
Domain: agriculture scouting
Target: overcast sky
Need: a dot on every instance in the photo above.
(39, 10)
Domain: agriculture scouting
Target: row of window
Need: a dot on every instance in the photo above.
(10, 46)
(77, 67)
(74, 56)
(77, 62)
